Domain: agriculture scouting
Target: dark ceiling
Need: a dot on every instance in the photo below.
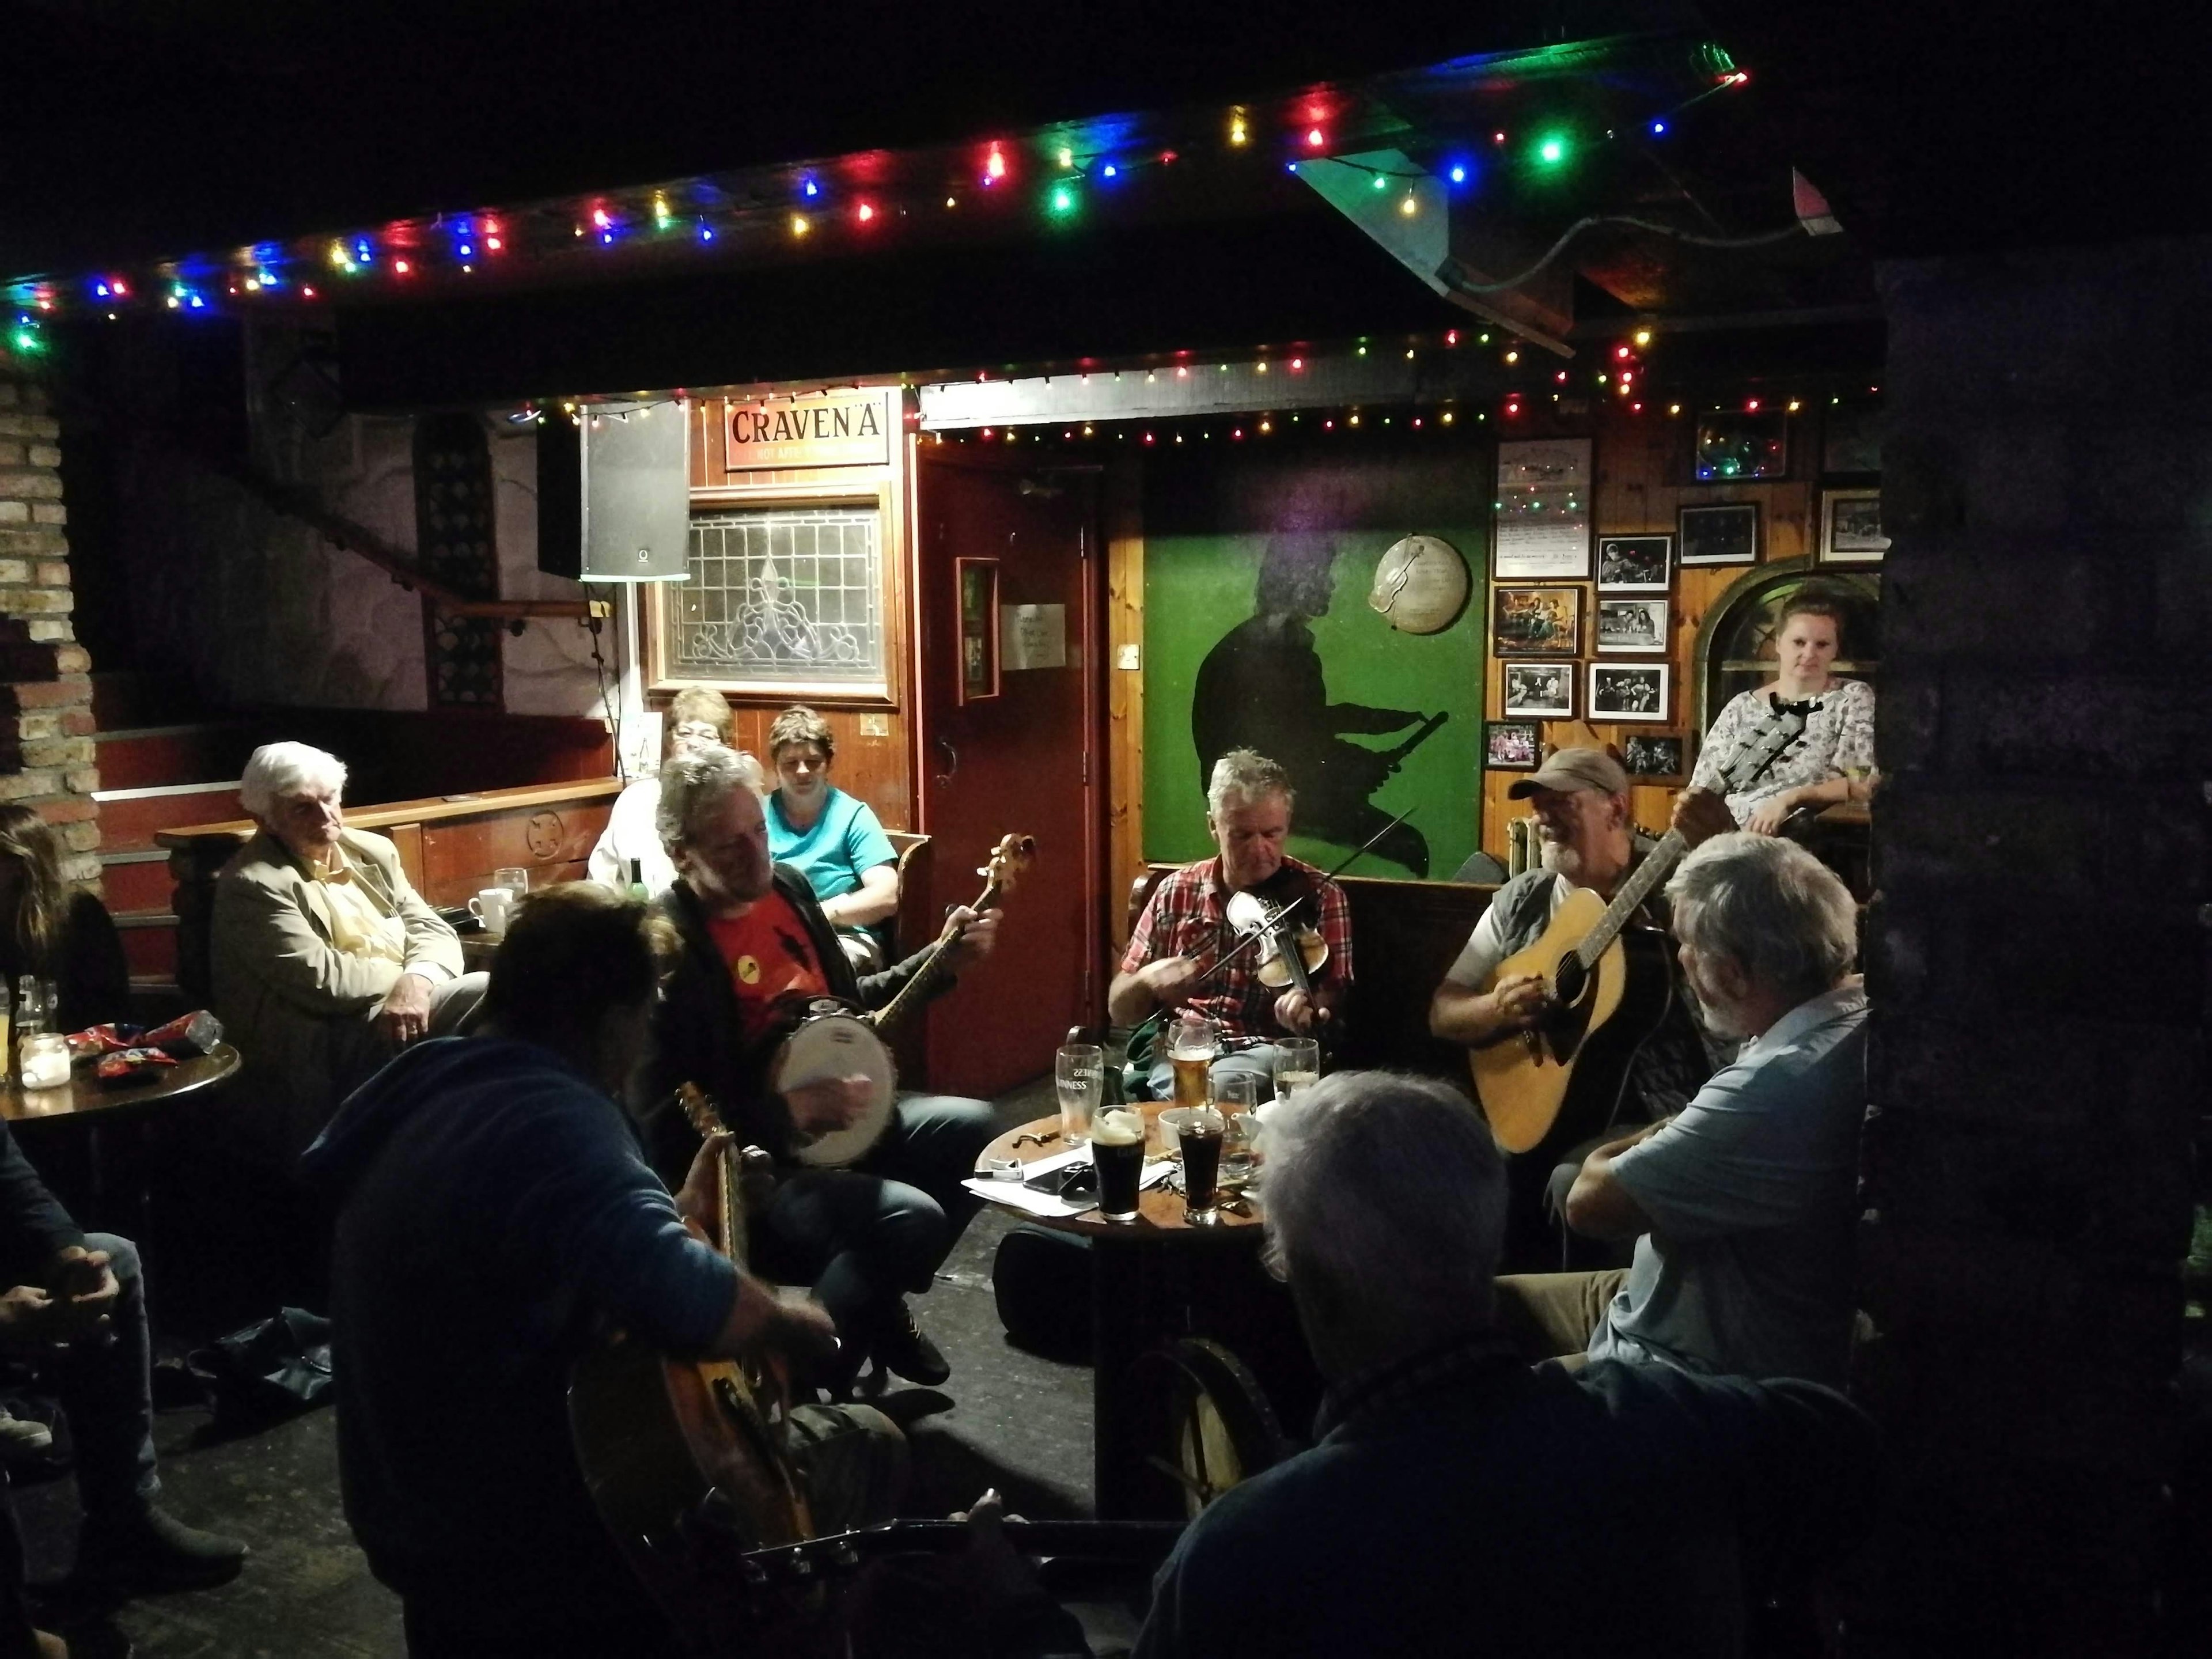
(135, 127)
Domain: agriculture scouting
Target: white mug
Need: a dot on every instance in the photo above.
(490, 907)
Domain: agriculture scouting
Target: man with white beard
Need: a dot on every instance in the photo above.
(1580, 798)
(1742, 1205)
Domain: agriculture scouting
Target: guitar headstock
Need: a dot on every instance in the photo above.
(1013, 855)
(700, 1110)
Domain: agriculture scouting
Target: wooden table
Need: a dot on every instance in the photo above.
(105, 1149)
(86, 1100)
(1152, 1281)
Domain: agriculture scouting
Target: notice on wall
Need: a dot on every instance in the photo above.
(1542, 510)
(1032, 636)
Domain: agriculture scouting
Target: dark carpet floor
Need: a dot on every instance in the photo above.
(1007, 1418)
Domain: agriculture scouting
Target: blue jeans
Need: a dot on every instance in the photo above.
(107, 1388)
(866, 1236)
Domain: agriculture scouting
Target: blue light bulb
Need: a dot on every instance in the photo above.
(1459, 175)
(1658, 129)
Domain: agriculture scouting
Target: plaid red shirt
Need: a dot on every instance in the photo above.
(1188, 916)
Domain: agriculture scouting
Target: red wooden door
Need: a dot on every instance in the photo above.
(1030, 759)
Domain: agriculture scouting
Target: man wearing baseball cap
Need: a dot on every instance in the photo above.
(1580, 796)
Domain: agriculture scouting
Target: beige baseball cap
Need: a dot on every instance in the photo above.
(1569, 769)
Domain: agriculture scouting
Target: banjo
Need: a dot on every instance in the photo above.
(834, 1040)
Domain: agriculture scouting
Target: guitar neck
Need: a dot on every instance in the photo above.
(1630, 899)
(932, 973)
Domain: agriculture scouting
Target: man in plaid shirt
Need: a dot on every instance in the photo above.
(1186, 926)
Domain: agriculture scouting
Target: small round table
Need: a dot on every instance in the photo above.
(84, 1097)
(1153, 1280)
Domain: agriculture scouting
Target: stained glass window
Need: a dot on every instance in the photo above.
(783, 598)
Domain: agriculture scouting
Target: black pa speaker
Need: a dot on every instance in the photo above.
(614, 502)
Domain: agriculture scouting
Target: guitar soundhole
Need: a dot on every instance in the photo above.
(1572, 980)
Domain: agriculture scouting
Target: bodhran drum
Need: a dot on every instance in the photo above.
(833, 1042)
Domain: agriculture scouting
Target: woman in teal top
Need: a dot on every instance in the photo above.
(832, 839)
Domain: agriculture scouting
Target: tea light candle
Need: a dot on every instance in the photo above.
(46, 1062)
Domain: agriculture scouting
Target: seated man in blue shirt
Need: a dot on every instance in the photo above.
(1742, 1204)
(1457, 1500)
(495, 1219)
(832, 839)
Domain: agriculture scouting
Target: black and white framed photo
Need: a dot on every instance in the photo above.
(1629, 690)
(1539, 690)
(1850, 438)
(1510, 745)
(1720, 535)
(1631, 627)
(1634, 564)
(1733, 444)
(1536, 622)
(1850, 527)
(1656, 756)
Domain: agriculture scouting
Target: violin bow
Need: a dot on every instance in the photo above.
(1231, 952)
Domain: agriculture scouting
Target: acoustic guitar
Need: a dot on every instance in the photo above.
(834, 1040)
(685, 1458)
(1608, 986)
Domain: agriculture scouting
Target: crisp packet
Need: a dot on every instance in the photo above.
(96, 1040)
(195, 1033)
(132, 1064)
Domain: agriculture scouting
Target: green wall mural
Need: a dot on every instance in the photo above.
(1258, 632)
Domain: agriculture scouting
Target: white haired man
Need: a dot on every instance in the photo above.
(1742, 1205)
(1457, 1500)
(326, 962)
(1185, 927)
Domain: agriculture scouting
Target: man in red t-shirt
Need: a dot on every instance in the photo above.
(758, 951)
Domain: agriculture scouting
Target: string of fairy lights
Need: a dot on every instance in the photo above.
(1056, 173)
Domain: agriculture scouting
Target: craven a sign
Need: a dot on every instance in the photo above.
(850, 428)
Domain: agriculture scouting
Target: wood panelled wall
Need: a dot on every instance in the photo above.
(874, 735)
(1641, 462)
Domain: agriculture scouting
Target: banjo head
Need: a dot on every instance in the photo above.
(832, 1045)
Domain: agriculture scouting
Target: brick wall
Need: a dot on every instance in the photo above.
(2036, 954)
(46, 758)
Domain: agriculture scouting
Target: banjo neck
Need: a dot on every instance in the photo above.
(1008, 860)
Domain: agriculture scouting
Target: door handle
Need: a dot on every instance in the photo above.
(951, 760)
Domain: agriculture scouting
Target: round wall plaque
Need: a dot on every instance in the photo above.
(1421, 585)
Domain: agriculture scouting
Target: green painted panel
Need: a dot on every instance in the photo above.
(1257, 568)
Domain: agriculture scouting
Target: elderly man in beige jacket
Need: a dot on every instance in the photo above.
(326, 961)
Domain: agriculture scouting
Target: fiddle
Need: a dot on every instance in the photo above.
(1292, 949)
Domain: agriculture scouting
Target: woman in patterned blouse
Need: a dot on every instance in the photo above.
(1814, 769)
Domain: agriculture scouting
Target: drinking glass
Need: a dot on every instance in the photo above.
(1236, 1094)
(1200, 1133)
(1297, 1063)
(1117, 1152)
(1193, 1042)
(513, 877)
(1079, 1070)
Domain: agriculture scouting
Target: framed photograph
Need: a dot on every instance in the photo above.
(1510, 745)
(1536, 622)
(1541, 529)
(1656, 756)
(1733, 445)
(1542, 691)
(1720, 535)
(1850, 438)
(979, 628)
(1850, 527)
(1637, 627)
(1634, 564)
(1629, 690)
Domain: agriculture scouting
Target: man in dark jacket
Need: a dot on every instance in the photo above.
(1455, 1501)
(496, 1217)
(79, 1301)
(757, 952)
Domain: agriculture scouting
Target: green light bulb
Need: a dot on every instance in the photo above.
(1553, 150)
